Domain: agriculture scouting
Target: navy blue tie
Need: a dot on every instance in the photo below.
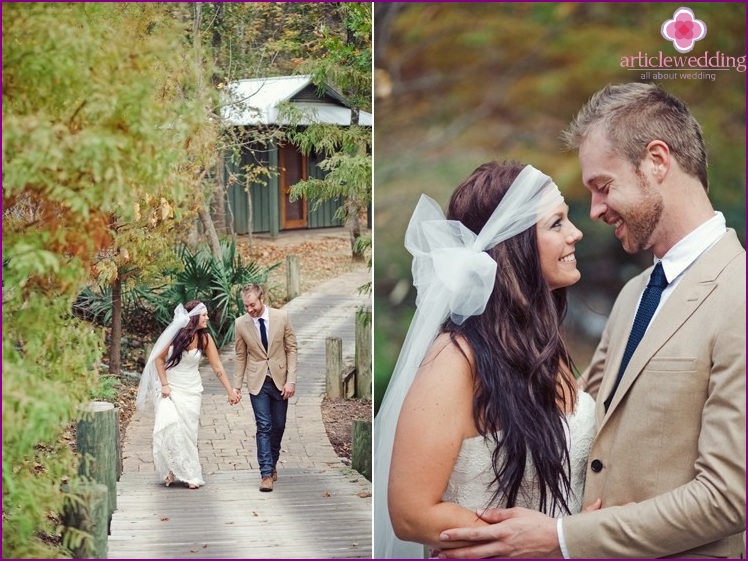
(263, 334)
(649, 302)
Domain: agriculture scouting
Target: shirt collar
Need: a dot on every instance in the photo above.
(265, 315)
(686, 251)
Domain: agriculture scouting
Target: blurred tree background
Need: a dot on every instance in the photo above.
(460, 84)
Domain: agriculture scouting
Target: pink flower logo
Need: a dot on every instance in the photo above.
(683, 30)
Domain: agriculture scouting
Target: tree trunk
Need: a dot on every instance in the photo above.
(204, 211)
(353, 209)
(210, 230)
(218, 204)
(115, 341)
(354, 227)
(250, 217)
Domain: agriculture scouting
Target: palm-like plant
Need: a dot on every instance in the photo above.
(215, 282)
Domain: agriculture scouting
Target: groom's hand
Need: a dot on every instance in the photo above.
(288, 391)
(512, 533)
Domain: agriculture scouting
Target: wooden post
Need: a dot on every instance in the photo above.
(96, 443)
(292, 276)
(363, 354)
(361, 448)
(334, 363)
(85, 515)
(118, 443)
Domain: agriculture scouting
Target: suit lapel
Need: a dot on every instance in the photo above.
(617, 346)
(690, 293)
(274, 326)
(687, 297)
(254, 334)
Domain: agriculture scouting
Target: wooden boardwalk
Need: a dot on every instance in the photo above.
(311, 514)
(319, 508)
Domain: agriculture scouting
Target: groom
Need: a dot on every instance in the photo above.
(266, 356)
(668, 461)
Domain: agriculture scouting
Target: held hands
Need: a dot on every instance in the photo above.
(513, 532)
(235, 396)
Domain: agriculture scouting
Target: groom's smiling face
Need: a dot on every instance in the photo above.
(557, 237)
(254, 305)
(622, 196)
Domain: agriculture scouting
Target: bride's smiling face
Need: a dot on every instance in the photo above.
(557, 237)
(202, 323)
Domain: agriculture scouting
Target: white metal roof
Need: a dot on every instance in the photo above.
(255, 102)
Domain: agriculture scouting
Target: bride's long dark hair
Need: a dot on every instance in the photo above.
(518, 350)
(185, 336)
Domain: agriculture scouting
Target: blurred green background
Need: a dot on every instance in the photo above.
(460, 84)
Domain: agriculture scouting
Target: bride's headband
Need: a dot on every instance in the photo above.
(150, 384)
(454, 276)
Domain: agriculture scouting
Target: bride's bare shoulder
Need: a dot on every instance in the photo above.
(449, 350)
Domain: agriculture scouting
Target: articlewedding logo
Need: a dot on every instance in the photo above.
(683, 30)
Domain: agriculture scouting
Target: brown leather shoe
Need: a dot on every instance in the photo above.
(275, 475)
(267, 484)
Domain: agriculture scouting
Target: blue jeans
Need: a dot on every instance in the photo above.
(270, 416)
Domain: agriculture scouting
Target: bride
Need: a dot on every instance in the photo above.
(482, 409)
(172, 378)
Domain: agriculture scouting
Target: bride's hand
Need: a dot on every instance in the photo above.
(597, 505)
(165, 390)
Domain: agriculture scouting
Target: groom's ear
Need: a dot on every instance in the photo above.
(657, 160)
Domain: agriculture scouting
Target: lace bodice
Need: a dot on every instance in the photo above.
(472, 475)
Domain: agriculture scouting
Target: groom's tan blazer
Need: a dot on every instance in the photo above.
(252, 360)
(673, 439)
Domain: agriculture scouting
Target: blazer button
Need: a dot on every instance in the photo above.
(596, 466)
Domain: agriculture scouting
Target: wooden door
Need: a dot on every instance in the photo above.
(293, 170)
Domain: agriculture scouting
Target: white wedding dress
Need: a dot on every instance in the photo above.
(472, 474)
(176, 424)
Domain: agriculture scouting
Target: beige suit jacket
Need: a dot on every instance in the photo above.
(673, 440)
(253, 361)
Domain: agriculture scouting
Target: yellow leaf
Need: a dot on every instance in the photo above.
(166, 210)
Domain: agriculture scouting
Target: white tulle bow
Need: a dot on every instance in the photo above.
(448, 261)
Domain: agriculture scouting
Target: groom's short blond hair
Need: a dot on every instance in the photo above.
(253, 288)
